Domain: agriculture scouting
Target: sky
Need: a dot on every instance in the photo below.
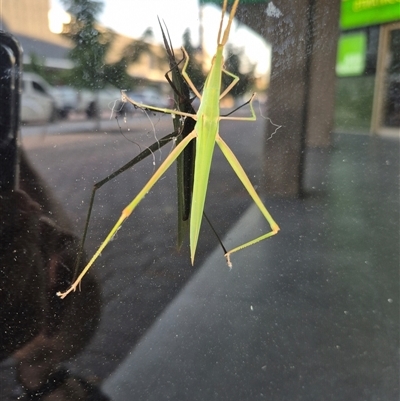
(133, 17)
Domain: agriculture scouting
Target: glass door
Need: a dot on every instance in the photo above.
(386, 109)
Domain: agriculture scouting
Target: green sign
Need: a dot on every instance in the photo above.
(358, 13)
(351, 54)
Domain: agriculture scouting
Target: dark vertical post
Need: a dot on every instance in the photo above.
(320, 119)
(10, 91)
(303, 35)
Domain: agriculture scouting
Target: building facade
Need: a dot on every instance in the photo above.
(368, 68)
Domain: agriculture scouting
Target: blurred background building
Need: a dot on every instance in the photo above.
(35, 27)
(367, 88)
(368, 68)
(29, 22)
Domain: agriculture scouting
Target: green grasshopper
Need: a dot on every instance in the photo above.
(206, 134)
(184, 161)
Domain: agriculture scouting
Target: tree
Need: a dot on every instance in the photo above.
(116, 74)
(138, 47)
(36, 66)
(91, 44)
(52, 76)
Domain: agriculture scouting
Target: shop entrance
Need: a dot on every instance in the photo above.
(386, 107)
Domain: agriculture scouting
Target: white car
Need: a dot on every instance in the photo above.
(66, 99)
(84, 101)
(148, 97)
(89, 102)
(37, 103)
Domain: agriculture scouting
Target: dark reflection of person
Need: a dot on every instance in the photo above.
(38, 330)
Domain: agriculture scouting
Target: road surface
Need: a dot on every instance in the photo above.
(141, 271)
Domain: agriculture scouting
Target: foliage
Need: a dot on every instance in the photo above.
(52, 76)
(134, 51)
(91, 46)
(116, 74)
(35, 66)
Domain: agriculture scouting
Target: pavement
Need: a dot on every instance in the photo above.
(310, 314)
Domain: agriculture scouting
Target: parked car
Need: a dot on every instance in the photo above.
(148, 97)
(42, 102)
(93, 103)
(37, 102)
(66, 99)
(84, 101)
